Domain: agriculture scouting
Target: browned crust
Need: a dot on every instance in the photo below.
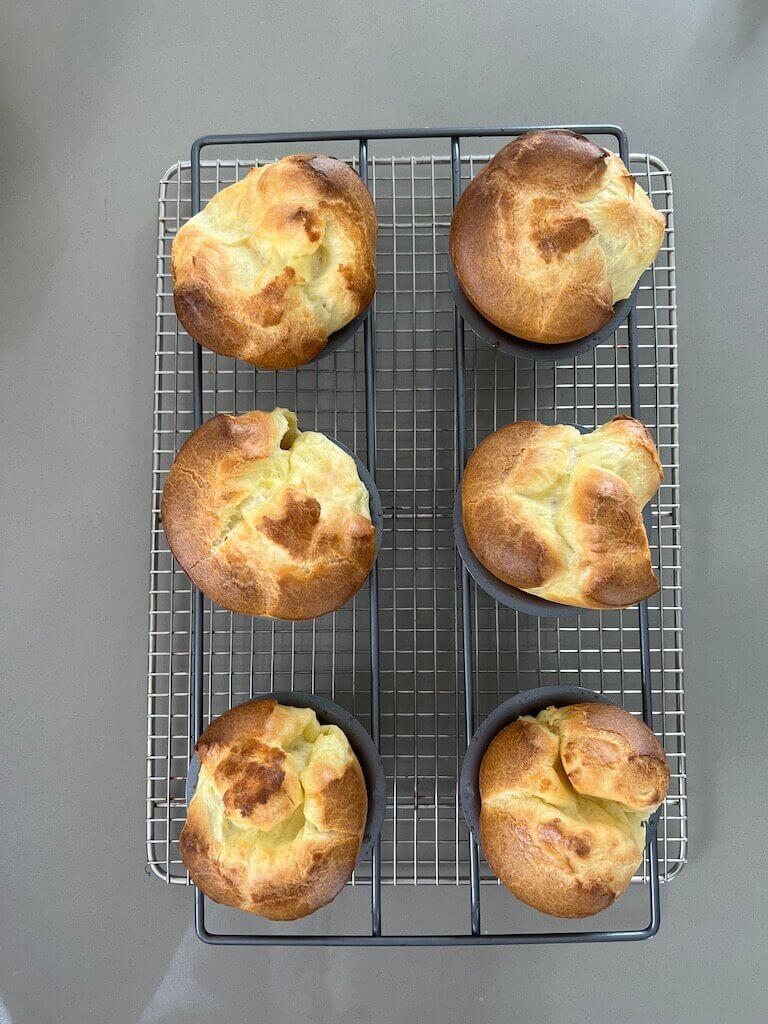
(526, 253)
(253, 779)
(276, 327)
(515, 754)
(507, 544)
(532, 828)
(321, 873)
(245, 721)
(258, 783)
(340, 807)
(531, 860)
(610, 754)
(601, 546)
(200, 860)
(318, 866)
(614, 541)
(296, 565)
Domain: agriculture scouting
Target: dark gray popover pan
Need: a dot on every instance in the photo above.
(365, 750)
(519, 348)
(338, 339)
(376, 508)
(529, 702)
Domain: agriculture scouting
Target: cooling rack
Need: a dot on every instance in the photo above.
(413, 394)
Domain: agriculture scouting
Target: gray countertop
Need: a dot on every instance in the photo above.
(96, 100)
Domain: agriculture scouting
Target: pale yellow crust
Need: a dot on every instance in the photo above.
(267, 520)
(558, 513)
(279, 810)
(550, 235)
(563, 798)
(277, 262)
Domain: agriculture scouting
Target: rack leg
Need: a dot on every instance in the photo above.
(646, 683)
(370, 437)
(466, 606)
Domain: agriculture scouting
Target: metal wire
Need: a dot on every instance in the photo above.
(424, 839)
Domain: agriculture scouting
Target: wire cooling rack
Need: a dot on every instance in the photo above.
(421, 656)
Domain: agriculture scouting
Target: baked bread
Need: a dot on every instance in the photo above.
(550, 234)
(267, 520)
(563, 797)
(278, 814)
(559, 514)
(277, 262)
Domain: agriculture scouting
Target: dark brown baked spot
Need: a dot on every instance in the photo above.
(269, 304)
(296, 526)
(255, 784)
(555, 833)
(309, 221)
(555, 237)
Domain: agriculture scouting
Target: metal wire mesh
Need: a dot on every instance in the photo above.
(424, 838)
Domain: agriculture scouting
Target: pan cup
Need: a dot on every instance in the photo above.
(339, 339)
(504, 593)
(374, 498)
(529, 702)
(363, 746)
(519, 348)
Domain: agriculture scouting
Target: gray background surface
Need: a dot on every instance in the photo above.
(96, 100)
